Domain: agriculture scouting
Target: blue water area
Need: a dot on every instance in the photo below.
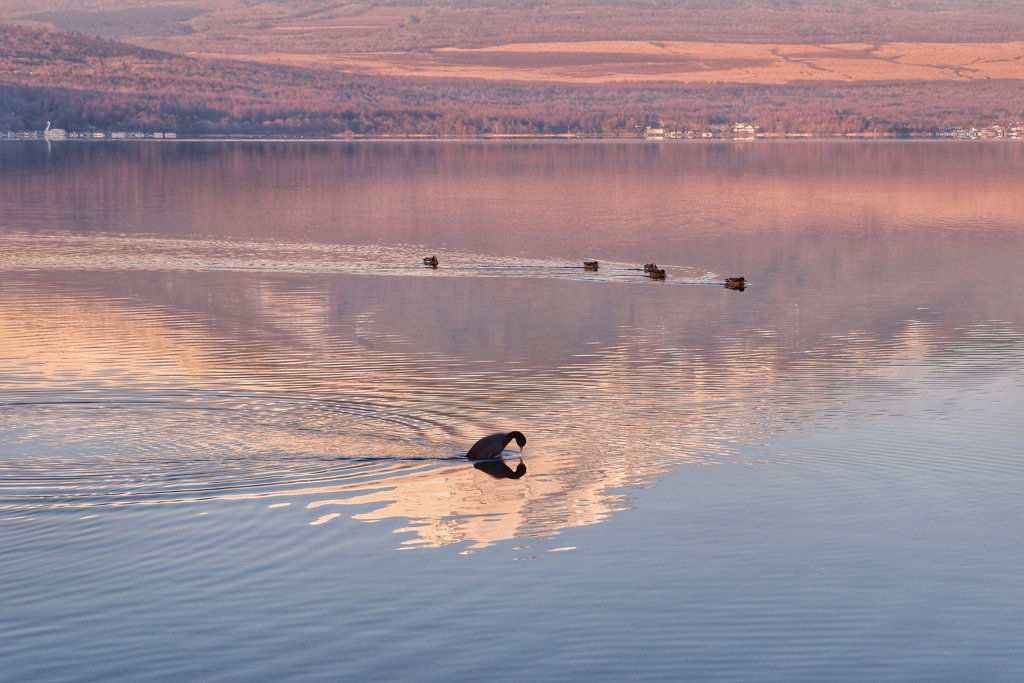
(234, 406)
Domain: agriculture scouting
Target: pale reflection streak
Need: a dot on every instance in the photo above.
(62, 251)
(500, 197)
(287, 433)
(184, 411)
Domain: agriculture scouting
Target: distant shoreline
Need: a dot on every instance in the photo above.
(524, 138)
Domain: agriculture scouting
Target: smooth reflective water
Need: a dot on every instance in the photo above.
(220, 361)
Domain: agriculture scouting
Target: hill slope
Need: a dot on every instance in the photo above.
(83, 83)
(343, 26)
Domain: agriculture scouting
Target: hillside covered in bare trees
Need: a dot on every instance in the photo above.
(309, 68)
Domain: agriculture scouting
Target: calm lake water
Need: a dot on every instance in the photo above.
(231, 394)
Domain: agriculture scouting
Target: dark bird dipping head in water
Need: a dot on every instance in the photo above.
(490, 447)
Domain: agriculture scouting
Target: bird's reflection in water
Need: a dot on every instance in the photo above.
(499, 470)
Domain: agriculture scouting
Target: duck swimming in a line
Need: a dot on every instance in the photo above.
(656, 273)
(590, 265)
(431, 261)
(736, 283)
(490, 447)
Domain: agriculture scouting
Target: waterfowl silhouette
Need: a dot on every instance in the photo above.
(648, 267)
(490, 447)
(736, 283)
(590, 265)
(499, 470)
(431, 261)
(657, 273)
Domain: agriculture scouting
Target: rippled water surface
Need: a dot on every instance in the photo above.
(230, 392)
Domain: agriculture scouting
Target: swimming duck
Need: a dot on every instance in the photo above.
(737, 283)
(590, 265)
(648, 267)
(490, 447)
(657, 273)
(431, 261)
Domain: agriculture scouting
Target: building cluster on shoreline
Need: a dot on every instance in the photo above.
(748, 131)
(61, 134)
(1014, 131)
(738, 131)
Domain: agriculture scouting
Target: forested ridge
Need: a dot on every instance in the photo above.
(87, 83)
